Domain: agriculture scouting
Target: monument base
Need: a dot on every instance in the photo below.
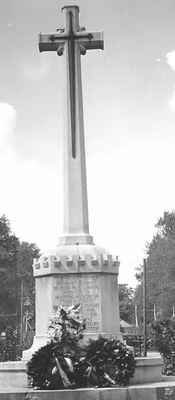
(13, 385)
(78, 274)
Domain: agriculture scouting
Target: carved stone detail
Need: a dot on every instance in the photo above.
(54, 264)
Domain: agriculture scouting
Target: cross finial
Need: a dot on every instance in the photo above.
(70, 6)
(74, 12)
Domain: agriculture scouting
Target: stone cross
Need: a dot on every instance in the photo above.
(75, 41)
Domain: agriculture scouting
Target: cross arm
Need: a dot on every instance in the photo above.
(50, 41)
(95, 40)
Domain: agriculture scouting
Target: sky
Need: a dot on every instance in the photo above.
(129, 113)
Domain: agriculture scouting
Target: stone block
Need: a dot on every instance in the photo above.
(114, 394)
(142, 393)
(13, 375)
(148, 369)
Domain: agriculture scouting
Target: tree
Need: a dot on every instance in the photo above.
(26, 291)
(25, 256)
(16, 259)
(126, 303)
(160, 269)
(166, 224)
(9, 245)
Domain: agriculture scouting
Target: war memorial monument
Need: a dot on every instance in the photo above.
(78, 271)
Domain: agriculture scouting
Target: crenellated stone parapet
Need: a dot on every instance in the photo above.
(75, 263)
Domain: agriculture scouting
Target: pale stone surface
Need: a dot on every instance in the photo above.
(148, 393)
(13, 375)
(76, 220)
(156, 391)
(147, 370)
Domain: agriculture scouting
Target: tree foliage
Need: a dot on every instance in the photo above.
(126, 303)
(160, 270)
(9, 245)
(16, 259)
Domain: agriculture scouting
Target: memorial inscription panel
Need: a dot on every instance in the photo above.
(83, 289)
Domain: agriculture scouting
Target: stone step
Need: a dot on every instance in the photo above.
(156, 391)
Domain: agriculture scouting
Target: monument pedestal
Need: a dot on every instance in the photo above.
(84, 274)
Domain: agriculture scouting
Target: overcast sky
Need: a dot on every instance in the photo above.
(129, 106)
